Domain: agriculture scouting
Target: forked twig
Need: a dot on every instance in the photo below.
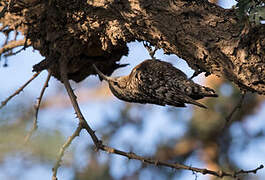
(151, 52)
(3, 103)
(62, 150)
(82, 122)
(11, 45)
(37, 107)
(16, 52)
(72, 96)
(100, 146)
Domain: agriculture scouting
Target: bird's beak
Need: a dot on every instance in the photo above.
(103, 76)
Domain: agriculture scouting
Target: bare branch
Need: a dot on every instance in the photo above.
(12, 45)
(37, 107)
(254, 171)
(151, 51)
(16, 52)
(3, 103)
(176, 165)
(72, 96)
(62, 150)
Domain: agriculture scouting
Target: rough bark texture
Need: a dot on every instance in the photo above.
(208, 37)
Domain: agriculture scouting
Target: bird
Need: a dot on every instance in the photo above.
(157, 82)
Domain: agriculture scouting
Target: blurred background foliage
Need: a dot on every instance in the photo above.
(191, 135)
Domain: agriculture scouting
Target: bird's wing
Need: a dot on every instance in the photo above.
(162, 82)
(153, 86)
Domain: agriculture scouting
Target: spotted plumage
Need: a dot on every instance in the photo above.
(157, 82)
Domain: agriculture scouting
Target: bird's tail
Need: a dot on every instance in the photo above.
(191, 101)
(185, 99)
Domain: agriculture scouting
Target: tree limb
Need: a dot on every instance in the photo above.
(211, 39)
(11, 45)
(37, 107)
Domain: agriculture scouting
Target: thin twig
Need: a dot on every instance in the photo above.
(82, 122)
(228, 119)
(100, 146)
(254, 171)
(14, 53)
(151, 52)
(3, 103)
(11, 45)
(62, 150)
(37, 107)
(176, 165)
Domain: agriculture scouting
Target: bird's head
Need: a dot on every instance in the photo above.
(116, 84)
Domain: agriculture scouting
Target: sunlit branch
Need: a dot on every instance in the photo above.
(37, 107)
(11, 45)
(3, 103)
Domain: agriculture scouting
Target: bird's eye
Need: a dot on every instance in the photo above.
(115, 83)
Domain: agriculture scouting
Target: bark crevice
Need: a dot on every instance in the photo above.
(208, 37)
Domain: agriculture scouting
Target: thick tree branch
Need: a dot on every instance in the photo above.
(211, 39)
(73, 35)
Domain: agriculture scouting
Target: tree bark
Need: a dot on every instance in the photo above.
(211, 39)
